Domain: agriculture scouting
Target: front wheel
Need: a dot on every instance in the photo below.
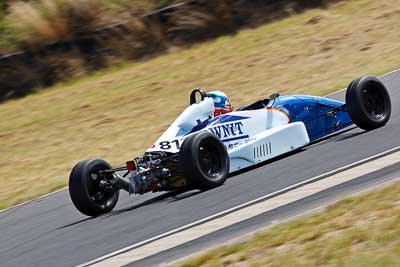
(368, 103)
(204, 161)
(89, 192)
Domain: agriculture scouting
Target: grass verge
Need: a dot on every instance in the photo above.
(115, 114)
(357, 231)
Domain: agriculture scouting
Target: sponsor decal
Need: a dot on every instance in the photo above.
(229, 132)
(233, 145)
(174, 144)
(214, 121)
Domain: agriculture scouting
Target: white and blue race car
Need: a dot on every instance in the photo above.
(200, 150)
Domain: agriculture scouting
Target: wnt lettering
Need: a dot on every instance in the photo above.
(227, 130)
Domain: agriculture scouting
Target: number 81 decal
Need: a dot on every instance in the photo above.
(166, 145)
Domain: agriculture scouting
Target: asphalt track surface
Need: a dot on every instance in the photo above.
(50, 232)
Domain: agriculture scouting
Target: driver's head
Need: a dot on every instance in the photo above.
(221, 102)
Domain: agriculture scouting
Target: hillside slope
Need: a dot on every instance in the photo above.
(117, 113)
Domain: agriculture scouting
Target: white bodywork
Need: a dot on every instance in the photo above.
(250, 136)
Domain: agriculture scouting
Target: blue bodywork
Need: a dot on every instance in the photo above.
(321, 116)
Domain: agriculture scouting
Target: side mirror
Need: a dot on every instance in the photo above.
(194, 93)
(274, 96)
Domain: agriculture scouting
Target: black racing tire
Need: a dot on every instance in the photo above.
(85, 192)
(204, 160)
(368, 103)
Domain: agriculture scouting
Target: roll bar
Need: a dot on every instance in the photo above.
(193, 95)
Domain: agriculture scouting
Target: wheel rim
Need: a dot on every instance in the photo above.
(374, 100)
(210, 160)
(99, 191)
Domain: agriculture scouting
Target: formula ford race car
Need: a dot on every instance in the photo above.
(200, 150)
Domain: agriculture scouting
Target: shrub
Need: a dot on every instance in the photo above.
(132, 40)
(40, 23)
(201, 19)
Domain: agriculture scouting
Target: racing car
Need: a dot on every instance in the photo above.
(202, 146)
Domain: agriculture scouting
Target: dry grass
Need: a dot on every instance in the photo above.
(136, 40)
(59, 36)
(117, 113)
(195, 22)
(357, 231)
(36, 24)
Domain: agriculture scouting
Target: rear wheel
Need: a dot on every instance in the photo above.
(368, 103)
(89, 192)
(204, 161)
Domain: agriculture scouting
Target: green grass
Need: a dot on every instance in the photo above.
(115, 114)
(357, 231)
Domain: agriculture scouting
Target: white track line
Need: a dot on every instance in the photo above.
(51, 193)
(248, 235)
(223, 217)
(386, 74)
(33, 200)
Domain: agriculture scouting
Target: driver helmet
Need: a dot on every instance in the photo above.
(221, 102)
